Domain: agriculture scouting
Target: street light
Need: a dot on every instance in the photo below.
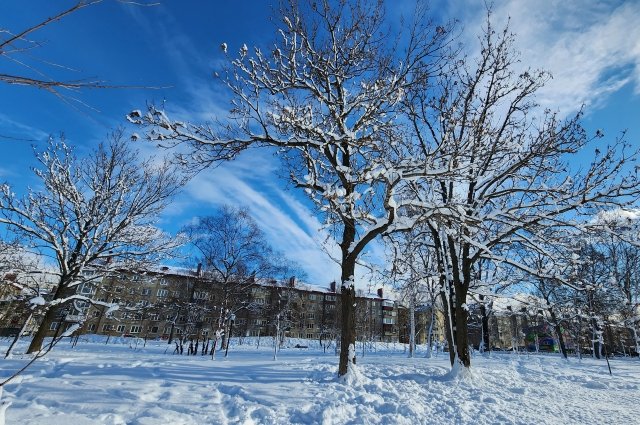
(231, 318)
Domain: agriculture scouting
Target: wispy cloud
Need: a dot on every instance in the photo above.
(288, 224)
(591, 48)
(16, 131)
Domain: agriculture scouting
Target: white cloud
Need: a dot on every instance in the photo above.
(289, 225)
(591, 48)
(16, 132)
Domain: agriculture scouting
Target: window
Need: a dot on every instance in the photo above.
(154, 317)
(311, 316)
(163, 281)
(330, 297)
(91, 327)
(86, 288)
(107, 328)
(120, 328)
(201, 295)
(154, 329)
(135, 329)
(176, 294)
(163, 292)
(309, 325)
(132, 291)
(312, 297)
(387, 321)
(259, 300)
(53, 326)
(80, 305)
(118, 289)
(96, 314)
(309, 336)
(115, 301)
(167, 330)
(181, 319)
(146, 291)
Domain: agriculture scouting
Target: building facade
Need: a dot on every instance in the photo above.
(172, 303)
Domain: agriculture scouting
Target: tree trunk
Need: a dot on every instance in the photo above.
(558, 329)
(461, 329)
(485, 324)
(49, 318)
(43, 329)
(430, 331)
(173, 326)
(596, 339)
(449, 325)
(348, 325)
(635, 337)
(412, 326)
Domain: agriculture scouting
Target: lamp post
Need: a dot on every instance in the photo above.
(231, 318)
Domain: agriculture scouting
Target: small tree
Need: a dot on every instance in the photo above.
(94, 212)
(233, 252)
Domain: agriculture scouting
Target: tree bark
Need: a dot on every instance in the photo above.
(412, 326)
(461, 329)
(449, 325)
(348, 325)
(49, 317)
(485, 324)
(558, 329)
(430, 331)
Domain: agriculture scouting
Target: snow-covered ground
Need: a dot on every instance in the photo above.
(95, 383)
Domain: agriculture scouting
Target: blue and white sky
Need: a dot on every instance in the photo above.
(592, 48)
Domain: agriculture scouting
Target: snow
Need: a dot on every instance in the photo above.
(115, 383)
(37, 301)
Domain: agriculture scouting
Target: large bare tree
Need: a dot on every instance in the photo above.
(518, 176)
(95, 212)
(328, 96)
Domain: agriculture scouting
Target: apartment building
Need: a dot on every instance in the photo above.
(173, 303)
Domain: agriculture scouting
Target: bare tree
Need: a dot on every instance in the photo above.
(617, 239)
(515, 181)
(93, 212)
(233, 252)
(327, 95)
(413, 273)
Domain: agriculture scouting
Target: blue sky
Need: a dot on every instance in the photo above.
(592, 50)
